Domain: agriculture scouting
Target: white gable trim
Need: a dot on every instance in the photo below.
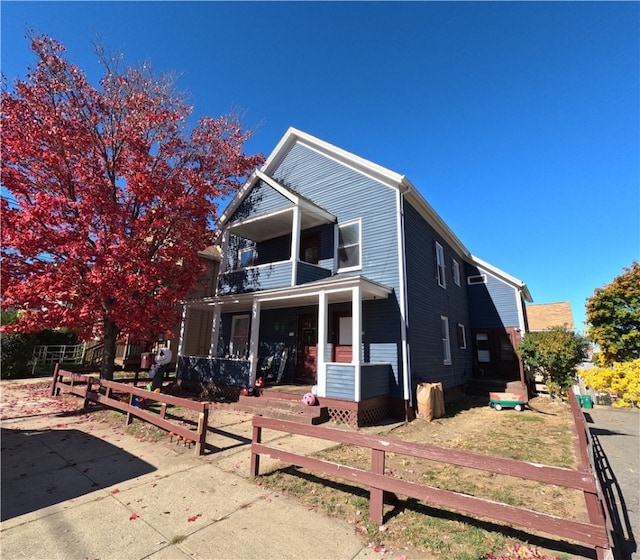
(293, 135)
(511, 280)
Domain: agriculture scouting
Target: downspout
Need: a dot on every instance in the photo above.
(404, 308)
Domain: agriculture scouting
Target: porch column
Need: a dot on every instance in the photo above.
(295, 244)
(215, 329)
(182, 337)
(321, 358)
(254, 340)
(224, 246)
(356, 348)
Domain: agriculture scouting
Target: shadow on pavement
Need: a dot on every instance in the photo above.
(624, 542)
(42, 468)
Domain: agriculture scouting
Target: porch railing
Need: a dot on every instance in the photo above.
(221, 371)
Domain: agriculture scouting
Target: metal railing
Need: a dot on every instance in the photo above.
(59, 353)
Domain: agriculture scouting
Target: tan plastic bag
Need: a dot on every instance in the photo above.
(430, 401)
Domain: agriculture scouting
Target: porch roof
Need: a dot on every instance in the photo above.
(337, 289)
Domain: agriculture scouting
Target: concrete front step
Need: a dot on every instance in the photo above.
(283, 409)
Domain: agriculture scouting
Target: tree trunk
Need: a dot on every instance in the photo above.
(111, 332)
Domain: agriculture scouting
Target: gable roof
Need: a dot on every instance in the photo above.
(507, 278)
(373, 170)
(544, 316)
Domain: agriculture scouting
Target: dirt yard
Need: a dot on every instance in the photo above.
(542, 434)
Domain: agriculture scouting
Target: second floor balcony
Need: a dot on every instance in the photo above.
(275, 241)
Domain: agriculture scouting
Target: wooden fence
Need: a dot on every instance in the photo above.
(592, 533)
(110, 393)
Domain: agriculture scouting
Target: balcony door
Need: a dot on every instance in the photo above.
(307, 349)
(310, 247)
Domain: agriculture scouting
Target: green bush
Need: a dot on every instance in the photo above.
(16, 349)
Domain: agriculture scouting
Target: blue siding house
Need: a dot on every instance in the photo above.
(338, 274)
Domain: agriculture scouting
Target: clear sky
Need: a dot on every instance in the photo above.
(518, 122)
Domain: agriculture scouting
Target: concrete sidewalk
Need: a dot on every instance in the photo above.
(76, 488)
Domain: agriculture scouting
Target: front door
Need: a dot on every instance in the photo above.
(307, 349)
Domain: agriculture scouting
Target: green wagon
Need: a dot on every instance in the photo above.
(507, 400)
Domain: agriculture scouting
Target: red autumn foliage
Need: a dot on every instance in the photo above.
(107, 198)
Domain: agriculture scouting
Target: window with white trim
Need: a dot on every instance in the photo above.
(462, 336)
(247, 257)
(440, 268)
(239, 345)
(482, 347)
(455, 271)
(349, 246)
(446, 342)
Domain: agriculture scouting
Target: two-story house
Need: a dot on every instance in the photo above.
(341, 269)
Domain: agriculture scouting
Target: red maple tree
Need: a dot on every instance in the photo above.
(107, 197)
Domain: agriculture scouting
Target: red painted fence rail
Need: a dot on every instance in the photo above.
(93, 389)
(593, 533)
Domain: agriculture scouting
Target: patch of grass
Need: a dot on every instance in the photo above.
(178, 539)
(415, 529)
(144, 430)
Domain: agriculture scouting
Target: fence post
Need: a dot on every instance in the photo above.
(203, 421)
(129, 407)
(376, 495)
(255, 457)
(88, 390)
(54, 383)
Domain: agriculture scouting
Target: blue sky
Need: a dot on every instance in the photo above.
(518, 122)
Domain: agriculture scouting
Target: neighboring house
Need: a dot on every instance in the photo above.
(544, 316)
(130, 355)
(324, 252)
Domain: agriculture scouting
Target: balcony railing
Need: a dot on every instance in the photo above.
(268, 276)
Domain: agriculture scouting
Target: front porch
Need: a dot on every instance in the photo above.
(227, 377)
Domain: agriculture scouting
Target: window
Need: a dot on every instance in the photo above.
(446, 343)
(455, 271)
(349, 246)
(239, 346)
(345, 331)
(462, 336)
(477, 279)
(440, 272)
(482, 345)
(506, 350)
(247, 257)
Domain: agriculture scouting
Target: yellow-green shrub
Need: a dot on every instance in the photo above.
(622, 378)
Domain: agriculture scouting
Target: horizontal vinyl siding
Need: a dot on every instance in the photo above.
(494, 304)
(341, 381)
(427, 302)
(309, 273)
(262, 199)
(375, 380)
(254, 279)
(349, 195)
(382, 337)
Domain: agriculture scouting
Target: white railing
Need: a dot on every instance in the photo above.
(51, 354)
